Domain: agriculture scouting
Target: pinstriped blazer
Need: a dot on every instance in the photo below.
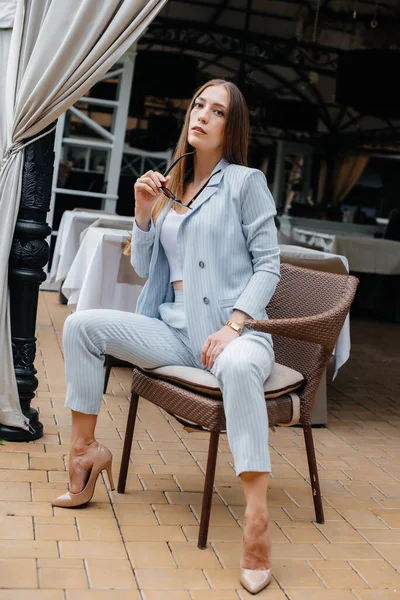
(229, 251)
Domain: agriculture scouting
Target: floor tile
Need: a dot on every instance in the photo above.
(82, 549)
(291, 573)
(168, 595)
(188, 556)
(50, 577)
(48, 531)
(118, 577)
(145, 555)
(159, 533)
(299, 594)
(377, 573)
(102, 595)
(18, 573)
(171, 579)
(104, 530)
(33, 594)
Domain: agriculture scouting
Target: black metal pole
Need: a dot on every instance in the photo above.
(29, 254)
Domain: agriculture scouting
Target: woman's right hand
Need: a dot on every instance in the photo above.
(147, 190)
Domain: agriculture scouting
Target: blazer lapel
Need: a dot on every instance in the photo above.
(211, 187)
(159, 223)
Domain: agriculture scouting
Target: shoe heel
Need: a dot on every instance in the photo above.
(110, 476)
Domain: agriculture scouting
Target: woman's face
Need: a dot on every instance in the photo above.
(208, 119)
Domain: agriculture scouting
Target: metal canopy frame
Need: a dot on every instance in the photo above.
(261, 52)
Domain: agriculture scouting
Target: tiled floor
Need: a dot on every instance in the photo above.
(142, 545)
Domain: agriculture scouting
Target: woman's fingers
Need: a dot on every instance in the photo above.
(161, 177)
(152, 180)
(204, 352)
(157, 177)
(141, 186)
(210, 353)
(214, 355)
(149, 181)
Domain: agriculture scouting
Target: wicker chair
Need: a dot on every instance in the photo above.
(306, 315)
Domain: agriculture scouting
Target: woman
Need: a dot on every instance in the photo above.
(212, 262)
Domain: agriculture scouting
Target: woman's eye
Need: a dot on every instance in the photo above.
(219, 113)
(198, 104)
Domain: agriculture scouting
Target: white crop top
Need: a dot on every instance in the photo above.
(169, 241)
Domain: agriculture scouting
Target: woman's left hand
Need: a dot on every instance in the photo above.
(214, 345)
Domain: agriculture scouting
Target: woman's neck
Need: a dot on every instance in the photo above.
(204, 165)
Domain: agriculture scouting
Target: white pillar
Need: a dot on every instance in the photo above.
(121, 116)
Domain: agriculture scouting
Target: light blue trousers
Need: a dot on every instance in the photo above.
(240, 369)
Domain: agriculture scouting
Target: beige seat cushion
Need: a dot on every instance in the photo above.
(282, 380)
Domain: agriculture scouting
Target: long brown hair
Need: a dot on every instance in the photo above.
(236, 141)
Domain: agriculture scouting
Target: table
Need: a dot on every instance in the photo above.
(375, 255)
(73, 223)
(287, 223)
(365, 254)
(101, 276)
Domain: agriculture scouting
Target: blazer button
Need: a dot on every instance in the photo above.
(206, 301)
(201, 264)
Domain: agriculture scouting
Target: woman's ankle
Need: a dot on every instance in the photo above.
(80, 446)
(258, 510)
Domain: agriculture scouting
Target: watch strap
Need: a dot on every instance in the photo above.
(235, 327)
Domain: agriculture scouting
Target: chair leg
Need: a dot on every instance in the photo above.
(108, 365)
(312, 465)
(126, 452)
(208, 490)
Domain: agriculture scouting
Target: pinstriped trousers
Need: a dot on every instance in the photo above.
(240, 369)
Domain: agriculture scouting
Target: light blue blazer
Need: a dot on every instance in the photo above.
(229, 251)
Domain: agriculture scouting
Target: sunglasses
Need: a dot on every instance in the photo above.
(171, 196)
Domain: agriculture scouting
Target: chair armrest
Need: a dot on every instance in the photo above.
(322, 328)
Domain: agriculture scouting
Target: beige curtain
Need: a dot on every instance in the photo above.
(59, 49)
(348, 171)
(7, 14)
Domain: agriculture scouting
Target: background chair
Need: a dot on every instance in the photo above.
(306, 315)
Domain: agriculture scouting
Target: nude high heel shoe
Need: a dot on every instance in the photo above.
(102, 462)
(254, 581)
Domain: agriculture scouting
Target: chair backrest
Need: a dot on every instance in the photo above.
(306, 293)
(328, 265)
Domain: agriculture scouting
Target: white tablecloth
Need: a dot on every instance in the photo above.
(73, 223)
(100, 275)
(331, 227)
(375, 255)
(365, 254)
(310, 253)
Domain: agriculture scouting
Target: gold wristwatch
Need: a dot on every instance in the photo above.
(235, 327)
